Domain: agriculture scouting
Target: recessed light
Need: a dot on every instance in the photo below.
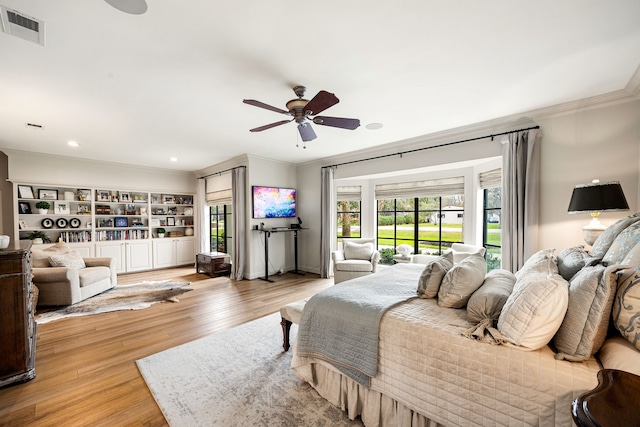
(173, 159)
(73, 144)
(374, 126)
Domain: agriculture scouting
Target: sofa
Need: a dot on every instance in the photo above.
(475, 348)
(64, 277)
(357, 258)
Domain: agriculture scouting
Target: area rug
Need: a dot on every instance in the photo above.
(238, 377)
(122, 297)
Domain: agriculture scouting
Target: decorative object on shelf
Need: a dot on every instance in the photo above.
(83, 195)
(121, 222)
(105, 222)
(25, 192)
(43, 207)
(103, 210)
(47, 223)
(125, 197)
(187, 211)
(168, 199)
(84, 209)
(154, 222)
(171, 221)
(62, 223)
(161, 232)
(103, 196)
(25, 207)
(74, 222)
(4, 241)
(595, 198)
(62, 208)
(188, 232)
(155, 198)
(39, 237)
(22, 224)
(47, 194)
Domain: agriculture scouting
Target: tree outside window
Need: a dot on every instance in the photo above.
(492, 227)
(348, 219)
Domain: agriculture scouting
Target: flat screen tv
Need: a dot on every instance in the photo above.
(273, 202)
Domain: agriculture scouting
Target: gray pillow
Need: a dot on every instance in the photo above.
(488, 300)
(432, 275)
(622, 245)
(353, 250)
(461, 281)
(572, 259)
(585, 325)
(605, 240)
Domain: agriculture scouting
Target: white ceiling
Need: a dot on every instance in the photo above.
(141, 88)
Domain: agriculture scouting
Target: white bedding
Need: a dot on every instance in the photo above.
(433, 373)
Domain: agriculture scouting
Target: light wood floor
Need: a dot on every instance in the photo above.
(85, 366)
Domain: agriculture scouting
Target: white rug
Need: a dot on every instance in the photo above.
(238, 377)
(122, 297)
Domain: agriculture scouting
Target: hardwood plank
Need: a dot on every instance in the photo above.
(85, 366)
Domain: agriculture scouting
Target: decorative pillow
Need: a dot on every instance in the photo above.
(585, 325)
(605, 240)
(622, 245)
(40, 257)
(432, 275)
(541, 261)
(488, 300)
(461, 281)
(572, 259)
(618, 353)
(626, 306)
(353, 250)
(534, 310)
(73, 259)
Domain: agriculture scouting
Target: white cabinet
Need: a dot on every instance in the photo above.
(170, 252)
(130, 255)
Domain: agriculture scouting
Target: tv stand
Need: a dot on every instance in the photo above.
(267, 233)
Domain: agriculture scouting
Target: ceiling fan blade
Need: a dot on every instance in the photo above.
(306, 132)
(265, 106)
(337, 122)
(320, 102)
(269, 126)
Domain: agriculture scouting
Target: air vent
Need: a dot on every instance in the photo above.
(22, 26)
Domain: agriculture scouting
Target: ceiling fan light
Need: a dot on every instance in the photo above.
(297, 103)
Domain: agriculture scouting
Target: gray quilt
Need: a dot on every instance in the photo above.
(340, 324)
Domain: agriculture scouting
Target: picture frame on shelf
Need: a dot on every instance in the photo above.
(47, 194)
(84, 209)
(163, 223)
(121, 221)
(168, 199)
(83, 194)
(125, 197)
(25, 207)
(155, 199)
(105, 222)
(171, 221)
(61, 208)
(25, 192)
(103, 195)
(154, 222)
(22, 225)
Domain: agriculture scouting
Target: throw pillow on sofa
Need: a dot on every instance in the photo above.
(488, 300)
(432, 275)
(605, 240)
(461, 281)
(353, 250)
(72, 259)
(586, 323)
(572, 259)
(535, 309)
(40, 257)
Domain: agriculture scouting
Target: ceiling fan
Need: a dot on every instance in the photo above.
(304, 112)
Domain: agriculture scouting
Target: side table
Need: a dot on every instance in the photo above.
(614, 402)
(213, 263)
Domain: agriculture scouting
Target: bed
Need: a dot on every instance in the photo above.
(430, 372)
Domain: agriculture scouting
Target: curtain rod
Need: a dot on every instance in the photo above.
(433, 146)
(221, 172)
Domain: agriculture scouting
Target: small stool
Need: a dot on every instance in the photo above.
(290, 313)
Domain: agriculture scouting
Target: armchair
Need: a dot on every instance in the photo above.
(357, 258)
(73, 279)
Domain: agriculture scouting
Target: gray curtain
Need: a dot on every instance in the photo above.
(238, 187)
(520, 197)
(202, 218)
(327, 203)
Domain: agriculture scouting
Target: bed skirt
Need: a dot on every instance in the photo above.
(374, 408)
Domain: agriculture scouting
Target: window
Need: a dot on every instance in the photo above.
(221, 239)
(348, 209)
(491, 182)
(428, 224)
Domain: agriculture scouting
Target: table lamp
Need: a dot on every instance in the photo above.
(595, 198)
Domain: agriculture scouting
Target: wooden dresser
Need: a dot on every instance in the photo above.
(17, 324)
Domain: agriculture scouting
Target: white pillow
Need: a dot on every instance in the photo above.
(353, 250)
(541, 261)
(72, 259)
(535, 310)
(461, 281)
(432, 275)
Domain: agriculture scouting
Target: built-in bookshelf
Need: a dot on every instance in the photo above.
(117, 223)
